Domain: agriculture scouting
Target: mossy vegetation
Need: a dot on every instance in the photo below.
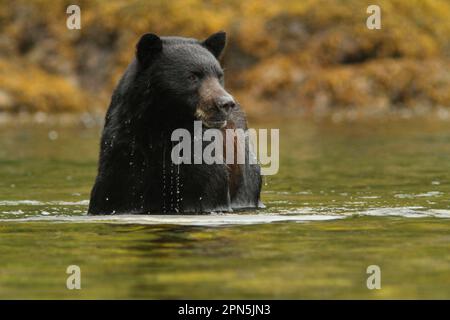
(283, 56)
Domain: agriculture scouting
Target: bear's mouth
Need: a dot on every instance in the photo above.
(211, 121)
(215, 124)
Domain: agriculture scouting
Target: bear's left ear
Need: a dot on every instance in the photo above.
(147, 47)
(216, 43)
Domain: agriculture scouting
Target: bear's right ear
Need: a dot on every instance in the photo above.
(147, 47)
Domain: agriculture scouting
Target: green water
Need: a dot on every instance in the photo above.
(382, 186)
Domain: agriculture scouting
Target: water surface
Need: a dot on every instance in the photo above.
(348, 195)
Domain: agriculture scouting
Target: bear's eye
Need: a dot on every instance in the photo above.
(193, 77)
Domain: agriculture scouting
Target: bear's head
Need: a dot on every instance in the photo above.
(185, 77)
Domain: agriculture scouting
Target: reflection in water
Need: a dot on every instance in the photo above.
(354, 187)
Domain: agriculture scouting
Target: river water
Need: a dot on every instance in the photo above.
(348, 195)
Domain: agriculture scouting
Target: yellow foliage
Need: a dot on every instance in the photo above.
(308, 55)
(35, 90)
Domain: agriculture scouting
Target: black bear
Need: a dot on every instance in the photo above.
(171, 83)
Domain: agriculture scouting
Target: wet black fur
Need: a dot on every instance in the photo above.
(154, 97)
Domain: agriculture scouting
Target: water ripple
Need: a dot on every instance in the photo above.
(66, 211)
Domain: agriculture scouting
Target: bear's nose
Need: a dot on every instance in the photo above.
(226, 103)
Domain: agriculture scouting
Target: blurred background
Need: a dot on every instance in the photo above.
(283, 57)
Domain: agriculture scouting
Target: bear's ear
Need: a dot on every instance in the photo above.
(149, 45)
(216, 43)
